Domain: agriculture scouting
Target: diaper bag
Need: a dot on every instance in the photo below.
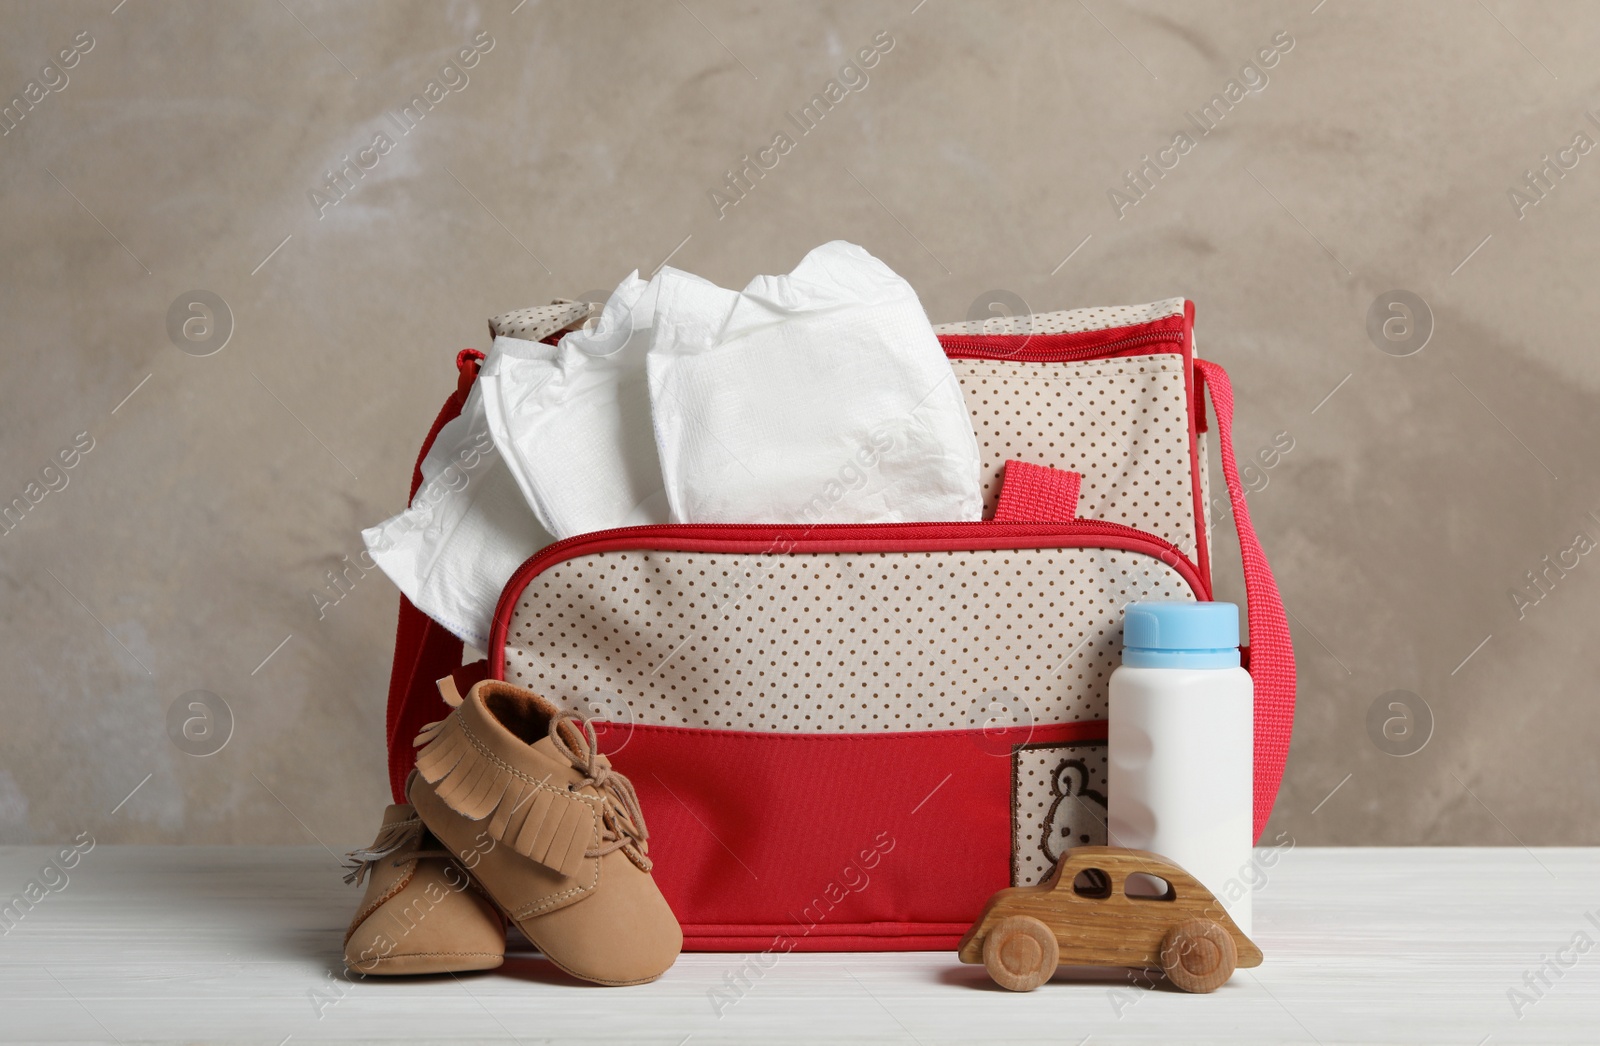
(846, 737)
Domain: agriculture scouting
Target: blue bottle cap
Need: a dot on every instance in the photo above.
(1180, 635)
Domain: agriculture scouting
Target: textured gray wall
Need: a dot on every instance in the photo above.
(183, 147)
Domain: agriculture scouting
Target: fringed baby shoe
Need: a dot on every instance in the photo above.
(518, 792)
(421, 912)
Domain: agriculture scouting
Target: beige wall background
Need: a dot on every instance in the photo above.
(189, 546)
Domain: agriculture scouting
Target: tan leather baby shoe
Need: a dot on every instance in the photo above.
(421, 912)
(517, 791)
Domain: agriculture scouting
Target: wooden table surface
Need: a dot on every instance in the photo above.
(241, 944)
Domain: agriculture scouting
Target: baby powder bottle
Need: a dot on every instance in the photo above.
(1181, 748)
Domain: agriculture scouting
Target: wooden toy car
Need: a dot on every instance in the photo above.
(1089, 914)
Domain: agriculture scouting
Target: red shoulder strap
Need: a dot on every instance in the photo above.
(1270, 655)
(424, 651)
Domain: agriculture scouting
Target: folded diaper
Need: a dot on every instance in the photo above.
(465, 533)
(573, 420)
(822, 396)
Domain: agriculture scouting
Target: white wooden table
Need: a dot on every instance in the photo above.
(236, 944)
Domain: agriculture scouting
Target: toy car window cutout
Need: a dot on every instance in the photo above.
(1092, 883)
(1142, 886)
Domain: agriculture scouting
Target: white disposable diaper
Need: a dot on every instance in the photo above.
(464, 534)
(822, 396)
(573, 420)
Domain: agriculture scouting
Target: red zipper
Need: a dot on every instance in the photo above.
(1017, 346)
(768, 538)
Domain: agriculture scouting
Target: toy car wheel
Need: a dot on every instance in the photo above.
(1198, 955)
(1020, 953)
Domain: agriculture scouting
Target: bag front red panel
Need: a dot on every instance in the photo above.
(824, 842)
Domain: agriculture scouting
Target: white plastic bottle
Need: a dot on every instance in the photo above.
(1181, 748)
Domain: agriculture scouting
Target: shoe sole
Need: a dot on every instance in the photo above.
(431, 962)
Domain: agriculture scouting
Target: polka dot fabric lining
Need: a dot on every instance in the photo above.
(1122, 424)
(832, 642)
(1069, 321)
(540, 321)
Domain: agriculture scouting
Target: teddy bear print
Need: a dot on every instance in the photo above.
(1077, 814)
